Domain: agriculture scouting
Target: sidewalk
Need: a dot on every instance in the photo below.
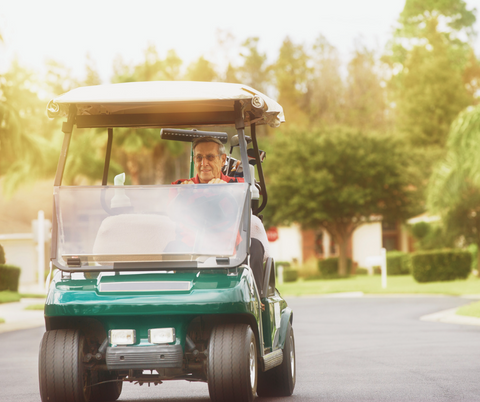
(16, 317)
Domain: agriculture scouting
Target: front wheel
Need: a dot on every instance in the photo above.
(232, 363)
(280, 380)
(61, 370)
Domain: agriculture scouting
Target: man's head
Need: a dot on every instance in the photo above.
(209, 157)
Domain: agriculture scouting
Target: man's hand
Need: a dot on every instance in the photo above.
(187, 182)
(216, 181)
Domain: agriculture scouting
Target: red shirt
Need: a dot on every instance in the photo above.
(227, 179)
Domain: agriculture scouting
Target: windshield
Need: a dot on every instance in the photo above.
(99, 226)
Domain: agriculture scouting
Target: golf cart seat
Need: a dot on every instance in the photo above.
(134, 234)
(257, 231)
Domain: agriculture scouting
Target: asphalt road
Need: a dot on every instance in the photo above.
(356, 349)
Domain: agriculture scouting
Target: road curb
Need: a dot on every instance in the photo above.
(19, 325)
(17, 317)
(450, 317)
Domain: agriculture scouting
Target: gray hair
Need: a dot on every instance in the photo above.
(221, 146)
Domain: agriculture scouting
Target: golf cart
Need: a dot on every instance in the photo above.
(130, 299)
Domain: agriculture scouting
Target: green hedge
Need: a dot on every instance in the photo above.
(361, 271)
(398, 263)
(290, 274)
(284, 264)
(9, 277)
(441, 265)
(329, 267)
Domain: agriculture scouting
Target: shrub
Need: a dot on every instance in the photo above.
(2, 255)
(9, 277)
(290, 274)
(309, 269)
(329, 267)
(398, 263)
(473, 249)
(284, 264)
(441, 265)
(361, 271)
(431, 236)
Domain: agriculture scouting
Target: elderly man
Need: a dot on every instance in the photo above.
(209, 157)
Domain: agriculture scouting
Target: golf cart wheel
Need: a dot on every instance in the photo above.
(280, 380)
(232, 363)
(104, 387)
(62, 374)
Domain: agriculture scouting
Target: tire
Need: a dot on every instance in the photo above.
(232, 363)
(280, 380)
(108, 391)
(62, 375)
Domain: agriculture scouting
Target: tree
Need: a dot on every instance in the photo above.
(26, 148)
(255, 70)
(365, 98)
(326, 89)
(292, 72)
(201, 70)
(339, 179)
(454, 188)
(431, 64)
(92, 77)
(140, 152)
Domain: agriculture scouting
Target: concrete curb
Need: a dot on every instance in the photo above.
(450, 317)
(17, 318)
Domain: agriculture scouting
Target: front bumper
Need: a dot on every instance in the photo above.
(144, 357)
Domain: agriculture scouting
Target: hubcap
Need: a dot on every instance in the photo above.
(253, 362)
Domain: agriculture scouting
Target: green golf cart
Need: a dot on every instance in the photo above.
(130, 300)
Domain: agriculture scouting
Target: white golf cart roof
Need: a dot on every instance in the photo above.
(165, 103)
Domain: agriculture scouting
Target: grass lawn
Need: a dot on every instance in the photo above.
(32, 296)
(35, 306)
(2, 320)
(470, 310)
(6, 296)
(404, 284)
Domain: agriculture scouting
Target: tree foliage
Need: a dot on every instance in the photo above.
(339, 179)
(26, 149)
(454, 188)
(433, 68)
(365, 105)
(325, 85)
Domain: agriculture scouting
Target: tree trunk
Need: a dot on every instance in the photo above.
(478, 259)
(133, 169)
(342, 256)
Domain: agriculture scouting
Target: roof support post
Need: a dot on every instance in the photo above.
(107, 157)
(240, 126)
(253, 134)
(67, 129)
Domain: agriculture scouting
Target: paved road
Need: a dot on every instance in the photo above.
(356, 349)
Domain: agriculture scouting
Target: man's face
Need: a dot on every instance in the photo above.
(208, 170)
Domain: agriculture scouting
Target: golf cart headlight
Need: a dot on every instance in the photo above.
(122, 336)
(161, 335)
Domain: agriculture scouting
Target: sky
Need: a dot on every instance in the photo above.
(34, 31)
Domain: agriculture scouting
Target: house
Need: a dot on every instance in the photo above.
(293, 243)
